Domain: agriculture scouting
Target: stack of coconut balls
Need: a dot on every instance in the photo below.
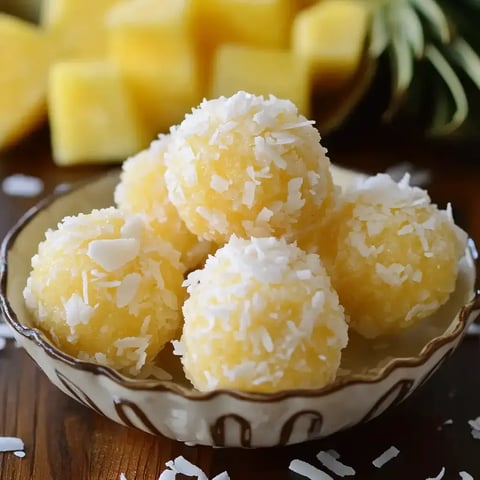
(230, 239)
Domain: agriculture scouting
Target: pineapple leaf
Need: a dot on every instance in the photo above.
(412, 27)
(466, 57)
(379, 36)
(455, 88)
(442, 111)
(435, 16)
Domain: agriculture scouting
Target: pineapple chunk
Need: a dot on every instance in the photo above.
(91, 116)
(264, 24)
(150, 42)
(77, 27)
(259, 23)
(330, 38)
(262, 72)
(24, 63)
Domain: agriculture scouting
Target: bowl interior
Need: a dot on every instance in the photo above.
(361, 358)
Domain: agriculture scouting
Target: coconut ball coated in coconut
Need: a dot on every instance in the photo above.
(142, 190)
(249, 166)
(261, 316)
(394, 256)
(106, 290)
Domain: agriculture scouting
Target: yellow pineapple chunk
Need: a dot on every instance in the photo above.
(330, 37)
(77, 27)
(262, 72)
(24, 62)
(264, 24)
(150, 42)
(91, 115)
(260, 23)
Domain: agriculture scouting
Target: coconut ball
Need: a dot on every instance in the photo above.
(261, 316)
(142, 190)
(106, 289)
(393, 255)
(249, 166)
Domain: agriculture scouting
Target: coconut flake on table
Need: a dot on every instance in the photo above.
(386, 456)
(439, 476)
(19, 453)
(465, 476)
(11, 444)
(221, 476)
(19, 185)
(307, 470)
(5, 331)
(446, 422)
(62, 187)
(475, 426)
(473, 330)
(181, 465)
(331, 462)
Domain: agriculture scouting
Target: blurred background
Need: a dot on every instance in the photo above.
(105, 77)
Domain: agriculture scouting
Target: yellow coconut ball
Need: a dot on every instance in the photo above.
(142, 190)
(247, 165)
(261, 316)
(395, 255)
(105, 289)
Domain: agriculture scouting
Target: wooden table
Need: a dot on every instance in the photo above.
(64, 440)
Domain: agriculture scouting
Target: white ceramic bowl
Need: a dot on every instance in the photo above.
(374, 375)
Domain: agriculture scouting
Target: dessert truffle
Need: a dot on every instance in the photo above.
(393, 255)
(106, 289)
(142, 190)
(249, 166)
(261, 316)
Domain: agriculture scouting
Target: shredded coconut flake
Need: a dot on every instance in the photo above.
(439, 476)
(475, 423)
(475, 434)
(19, 453)
(334, 465)
(474, 329)
(385, 457)
(307, 470)
(112, 254)
(219, 184)
(334, 454)
(127, 289)
(222, 476)
(6, 331)
(11, 444)
(19, 185)
(183, 466)
(77, 311)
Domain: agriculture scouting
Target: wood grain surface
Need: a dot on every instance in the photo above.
(64, 440)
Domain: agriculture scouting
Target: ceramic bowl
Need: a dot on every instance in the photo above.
(374, 375)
